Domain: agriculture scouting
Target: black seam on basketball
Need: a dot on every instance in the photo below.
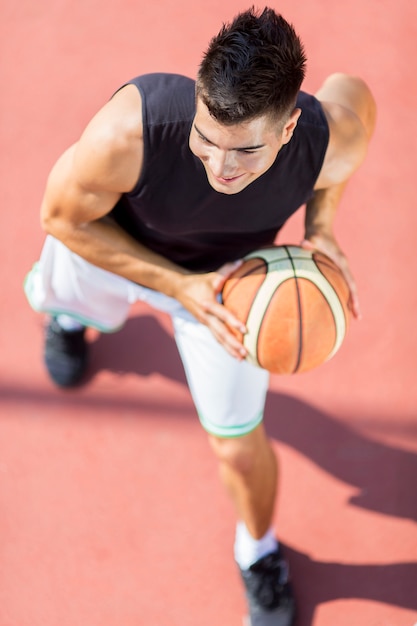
(247, 273)
(325, 261)
(330, 308)
(300, 327)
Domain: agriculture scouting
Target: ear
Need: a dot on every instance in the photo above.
(290, 125)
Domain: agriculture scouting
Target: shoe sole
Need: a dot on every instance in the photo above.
(247, 621)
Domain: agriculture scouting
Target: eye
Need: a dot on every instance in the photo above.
(202, 138)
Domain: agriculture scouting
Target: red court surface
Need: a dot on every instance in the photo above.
(110, 509)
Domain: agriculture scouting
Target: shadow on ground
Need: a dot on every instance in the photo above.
(384, 476)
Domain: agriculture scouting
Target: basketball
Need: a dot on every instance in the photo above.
(294, 303)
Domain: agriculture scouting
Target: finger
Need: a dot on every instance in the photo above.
(342, 263)
(355, 306)
(353, 291)
(224, 315)
(227, 339)
(307, 245)
(353, 296)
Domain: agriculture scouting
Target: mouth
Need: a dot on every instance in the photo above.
(228, 180)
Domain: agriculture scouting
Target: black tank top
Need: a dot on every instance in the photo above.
(174, 211)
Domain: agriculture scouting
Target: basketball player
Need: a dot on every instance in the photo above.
(170, 184)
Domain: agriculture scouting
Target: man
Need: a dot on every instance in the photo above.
(171, 183)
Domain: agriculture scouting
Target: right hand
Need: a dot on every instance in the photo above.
(198, 294)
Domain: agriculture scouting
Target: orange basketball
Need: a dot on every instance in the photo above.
(294, 303)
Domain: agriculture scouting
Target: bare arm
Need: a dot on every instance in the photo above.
(86, 183)
(350, 111)
(84, 186)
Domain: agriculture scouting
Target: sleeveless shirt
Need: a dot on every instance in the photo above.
(175, 212)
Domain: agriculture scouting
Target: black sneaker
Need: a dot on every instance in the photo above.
(65, 354)
(268, 591)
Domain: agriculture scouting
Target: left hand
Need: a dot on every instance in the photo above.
(198, 294)
(327, 244)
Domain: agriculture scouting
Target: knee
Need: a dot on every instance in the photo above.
(240, 454)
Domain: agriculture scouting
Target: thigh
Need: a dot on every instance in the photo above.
(229, 395)
(63, 282)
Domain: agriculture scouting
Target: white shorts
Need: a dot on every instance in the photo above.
(229, 395)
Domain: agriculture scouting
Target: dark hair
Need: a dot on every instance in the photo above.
(254, 66)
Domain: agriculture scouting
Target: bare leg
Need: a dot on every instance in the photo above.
(248, 470)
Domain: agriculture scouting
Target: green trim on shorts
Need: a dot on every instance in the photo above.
(230, 432)
(85, 321)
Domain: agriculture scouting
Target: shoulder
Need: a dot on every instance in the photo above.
(166, 97)
(109, 151)
(163, 80)
(350, 109)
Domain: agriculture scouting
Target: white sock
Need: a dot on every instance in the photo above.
(66, 322)
(249, 550)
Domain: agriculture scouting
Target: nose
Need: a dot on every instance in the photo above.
(222, 163)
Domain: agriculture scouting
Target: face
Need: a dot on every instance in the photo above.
(234, 156)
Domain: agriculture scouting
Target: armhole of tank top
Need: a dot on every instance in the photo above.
(322, 127)
(145, 133)
(326, 142)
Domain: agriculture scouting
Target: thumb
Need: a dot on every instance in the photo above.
(224, 273)
(307, 244)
